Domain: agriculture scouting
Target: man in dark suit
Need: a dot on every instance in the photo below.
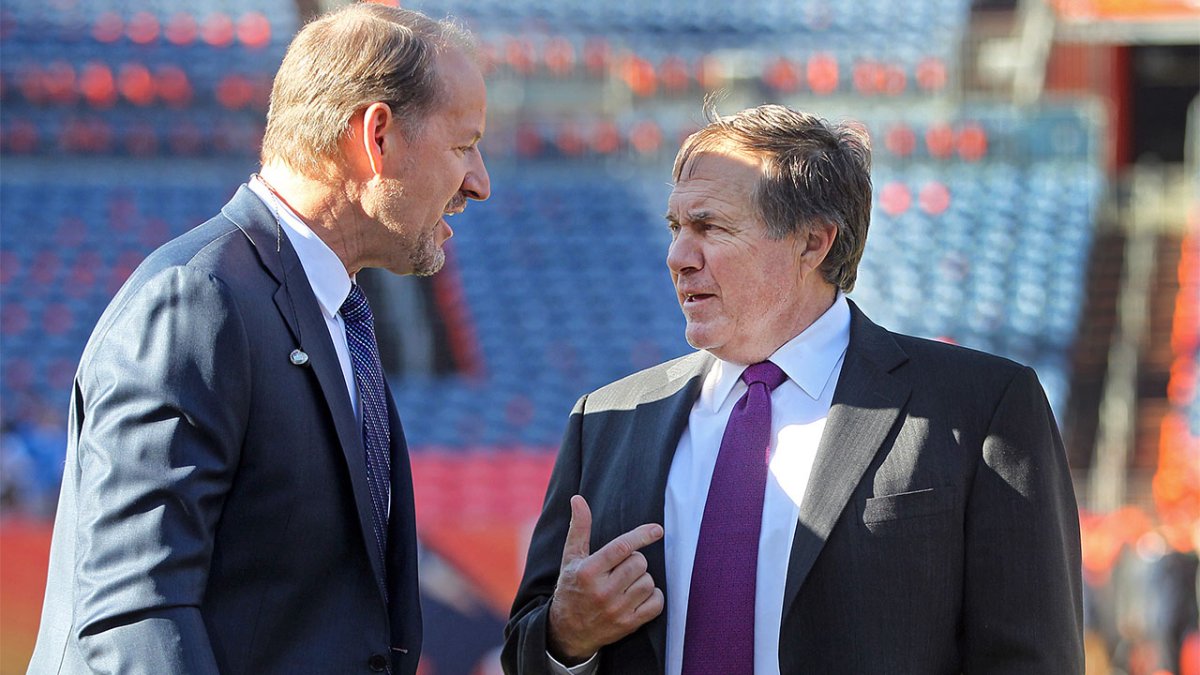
(810, 493)
(237, 495)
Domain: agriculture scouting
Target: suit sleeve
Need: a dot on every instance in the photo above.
(1022, 605)
(525, 650)
(165, 400)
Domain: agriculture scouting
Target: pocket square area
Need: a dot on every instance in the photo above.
(906, 505)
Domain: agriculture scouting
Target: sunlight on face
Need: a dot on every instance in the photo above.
(434, 173)
(739, 289)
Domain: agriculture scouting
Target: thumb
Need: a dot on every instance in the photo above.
(579, 534)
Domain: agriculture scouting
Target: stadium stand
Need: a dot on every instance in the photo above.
(563, 279)
(984, 219)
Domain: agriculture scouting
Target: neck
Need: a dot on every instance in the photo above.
(329, 208)
(823, 297)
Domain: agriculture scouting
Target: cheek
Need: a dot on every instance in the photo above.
(452, 175)
(760, 298)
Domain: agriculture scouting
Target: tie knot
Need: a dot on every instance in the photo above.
(355, 309)
(766, 372)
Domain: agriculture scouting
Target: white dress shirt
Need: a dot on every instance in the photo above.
(326, 275)
(800, 406)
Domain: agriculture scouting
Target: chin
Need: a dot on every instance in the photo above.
(429, 265)
(700, 338)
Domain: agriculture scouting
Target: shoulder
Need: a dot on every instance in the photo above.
(922, 359)
(943, 378)
(663, 379)
(968, 386)
(230, 246)
(217, 251)
(217, 246)
(199, 275)
(954, 360)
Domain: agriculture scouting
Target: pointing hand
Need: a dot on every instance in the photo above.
(601, 597)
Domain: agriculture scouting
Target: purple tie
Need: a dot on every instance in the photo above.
(719, 639)
(377, 438)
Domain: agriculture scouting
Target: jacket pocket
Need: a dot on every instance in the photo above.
(906, 512)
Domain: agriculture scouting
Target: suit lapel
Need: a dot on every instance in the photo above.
(866, 405)
(660, 418)
(299, 308)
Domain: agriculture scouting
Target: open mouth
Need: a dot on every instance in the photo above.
(693, 298)
(455, 207)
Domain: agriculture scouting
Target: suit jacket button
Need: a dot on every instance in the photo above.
(377, 663)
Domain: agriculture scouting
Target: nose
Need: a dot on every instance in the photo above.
(684, 253)
(477, 185)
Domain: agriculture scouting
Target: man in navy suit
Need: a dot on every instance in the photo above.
(237, 495)
(913, 510)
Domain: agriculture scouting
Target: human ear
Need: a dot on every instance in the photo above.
(815, 243)
(376, 121)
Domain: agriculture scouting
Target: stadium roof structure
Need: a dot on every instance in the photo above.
(1128, 21)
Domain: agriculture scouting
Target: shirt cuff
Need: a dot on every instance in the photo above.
(586, 668)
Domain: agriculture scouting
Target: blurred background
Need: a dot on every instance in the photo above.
(1037, 195)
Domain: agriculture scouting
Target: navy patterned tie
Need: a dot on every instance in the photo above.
(719, 637)
(368, 376)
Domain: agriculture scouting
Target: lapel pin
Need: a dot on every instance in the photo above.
(298, 357)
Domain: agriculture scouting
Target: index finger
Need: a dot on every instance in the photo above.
(617, 550)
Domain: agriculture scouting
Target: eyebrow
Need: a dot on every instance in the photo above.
(691, 216)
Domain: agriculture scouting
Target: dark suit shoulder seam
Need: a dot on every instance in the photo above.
(1018, 372)
(963, 350)
(214, 242)
(112, 321)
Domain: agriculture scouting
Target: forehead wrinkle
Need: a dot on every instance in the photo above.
(678, 209)
(703, 206)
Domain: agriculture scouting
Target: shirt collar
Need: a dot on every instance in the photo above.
(808, 359)
(325, 271)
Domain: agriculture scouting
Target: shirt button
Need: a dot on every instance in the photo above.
(377, 663)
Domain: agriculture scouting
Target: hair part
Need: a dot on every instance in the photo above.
(344, 61)
(812, 172)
